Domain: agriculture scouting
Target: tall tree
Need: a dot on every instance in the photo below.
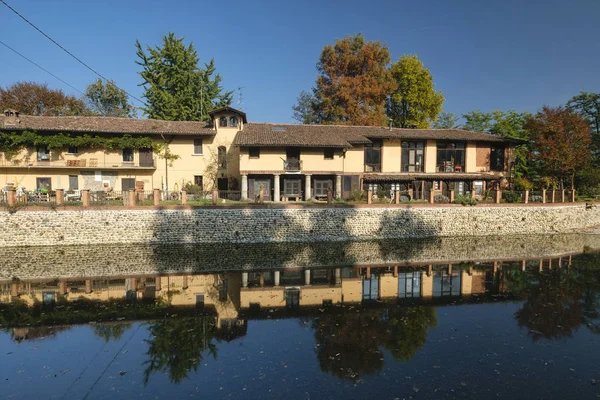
(588, 105)
(414, 102)
(176, 88)
(477, 121)
(34, 98)
(306, 109)
(561, 140)
(446, 121)
(354, 82)
(108, 100)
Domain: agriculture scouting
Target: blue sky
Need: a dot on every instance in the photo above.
(510, 54)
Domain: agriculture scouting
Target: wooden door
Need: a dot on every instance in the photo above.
(127, 184)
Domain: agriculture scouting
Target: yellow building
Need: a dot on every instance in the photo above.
(288, 161)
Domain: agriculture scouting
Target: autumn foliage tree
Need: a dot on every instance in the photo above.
(34, 98)
(354, 82)
(561, 142)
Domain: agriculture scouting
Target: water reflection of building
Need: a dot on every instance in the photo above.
(229, 293)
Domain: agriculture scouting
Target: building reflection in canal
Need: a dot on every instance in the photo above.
(356, 312)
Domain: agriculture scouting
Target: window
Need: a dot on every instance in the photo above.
(43, 154)
(409, 285)
(198, 146)
(72, 150)
(73, 182)
(222, 157)
(497, 159)
(43, 183)
(223, 122)
(198, 181)
(292, 298)
(328, 154)
(128, 155)
(450, 157)
(373, 156)
(223, 290)
(371, 288)
(412, 156)
(445, 284)
(233, 122)
(254, 152)
(291, 187)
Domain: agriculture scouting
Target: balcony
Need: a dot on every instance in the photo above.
(91, 163)
(372, 167)
(449, 166)
(292, 165)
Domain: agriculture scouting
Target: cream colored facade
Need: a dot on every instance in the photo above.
(294, 171)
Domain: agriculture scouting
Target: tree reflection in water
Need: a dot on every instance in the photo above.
(110, 330)
(350, 344)
(559, 301)
(178, 345)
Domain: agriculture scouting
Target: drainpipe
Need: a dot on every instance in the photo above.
(166, 166)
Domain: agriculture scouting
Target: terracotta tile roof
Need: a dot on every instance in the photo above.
(427, 176)
(108, 125)
(268, 134)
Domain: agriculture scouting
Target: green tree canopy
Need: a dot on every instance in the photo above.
(108, 100)
(354, 82)
(34, 98)
(477, 121)
(588, 105)
(176, 88)
(415, 101)
(306, 109)
(446, 121)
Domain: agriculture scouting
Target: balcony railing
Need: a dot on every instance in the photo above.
(450, 167)
(372, 167)
(292, 164)
(80, 163)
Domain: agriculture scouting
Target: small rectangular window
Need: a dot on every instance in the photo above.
(198, 146)
(198, 180)
(254, 152)
(72, 150)
(128, 155)
(328, 154)
(43, 184)
(43, 154)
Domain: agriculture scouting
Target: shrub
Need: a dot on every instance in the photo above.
(357, 195)
(190, 188)
(465, 200)
(523, 184)
(441, 199)
(511, 197)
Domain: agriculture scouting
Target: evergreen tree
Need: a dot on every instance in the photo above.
(306, 110)
(446, 121)
(176, 88)
(414, 102)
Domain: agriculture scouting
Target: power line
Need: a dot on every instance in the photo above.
(67, 51)
(42, 68)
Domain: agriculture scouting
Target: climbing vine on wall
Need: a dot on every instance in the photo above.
(12, 142)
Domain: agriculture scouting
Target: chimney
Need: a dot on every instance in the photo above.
(11, 117)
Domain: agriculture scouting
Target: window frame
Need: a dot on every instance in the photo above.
(200, 179)
(198, 146)
(223, 122)
(494, 165)
(256, 154)
(444, 149)
(373, 151)
(129, 150)
(419, 152)
(71, 148)
(42, 149)
(328, 153)
(233, 122)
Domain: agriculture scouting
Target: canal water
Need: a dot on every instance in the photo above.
(370, 321)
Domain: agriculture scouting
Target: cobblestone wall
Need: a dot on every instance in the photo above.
(248, 225)
(43, 262)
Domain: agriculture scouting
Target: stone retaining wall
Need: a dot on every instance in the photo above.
(251, 225)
